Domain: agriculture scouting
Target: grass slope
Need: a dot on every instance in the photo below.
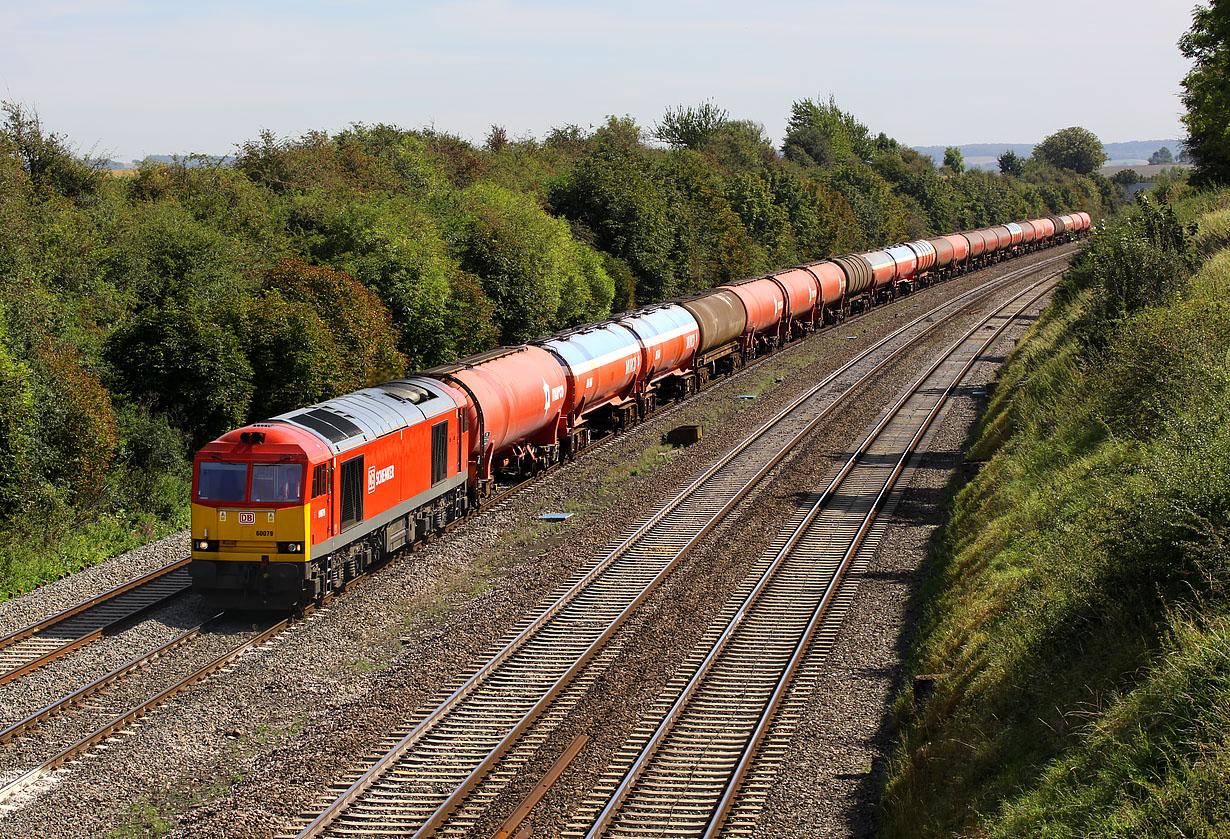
(1078, 608)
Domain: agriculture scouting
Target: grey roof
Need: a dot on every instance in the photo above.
(351, 420)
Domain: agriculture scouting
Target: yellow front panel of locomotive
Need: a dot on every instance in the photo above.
(251, 535)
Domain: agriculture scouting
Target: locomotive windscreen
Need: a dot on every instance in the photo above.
(222, 482)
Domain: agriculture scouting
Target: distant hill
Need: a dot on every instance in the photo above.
(201, 160)
(985, 155)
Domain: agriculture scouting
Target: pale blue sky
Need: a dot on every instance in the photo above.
(129, 78)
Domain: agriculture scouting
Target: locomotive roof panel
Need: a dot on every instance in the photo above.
(353, 419)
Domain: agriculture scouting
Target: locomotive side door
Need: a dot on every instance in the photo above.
(320, 509)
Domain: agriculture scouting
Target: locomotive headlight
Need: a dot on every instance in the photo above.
(202, 545)
(290, 547)
(205, 544)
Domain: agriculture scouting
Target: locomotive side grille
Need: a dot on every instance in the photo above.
(439, 452)
(352, 492)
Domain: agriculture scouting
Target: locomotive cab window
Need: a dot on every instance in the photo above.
(320, 480)
(273, 482)
(439, 452)
(222, 482)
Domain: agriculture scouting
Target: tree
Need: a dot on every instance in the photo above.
(691, 127)
(1161, 157)
(1206, 95)
(46, 158)
(1072, 148)
(954, 160)
(497, 138)
(1011, 164)
(823, 135)
(1125, 177)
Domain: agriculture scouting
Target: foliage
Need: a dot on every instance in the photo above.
(825, 136)
(954, 160)
(1126, 177)
(46, 158)
(1073, 148)
(613, 196)
(537, 275)
(178, 362)
(1011, 164)
(1143, 262)
(354, 322)
(16, 415)
(1205, 95)
(1161, 157)
(691, 128)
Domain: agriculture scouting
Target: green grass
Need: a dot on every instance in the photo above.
(1079, 602)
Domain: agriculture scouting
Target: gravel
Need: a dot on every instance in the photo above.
(242, 753)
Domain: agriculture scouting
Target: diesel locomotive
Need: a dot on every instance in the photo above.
(288, 510)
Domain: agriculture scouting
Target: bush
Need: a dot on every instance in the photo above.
(536, 274)
(177, 362)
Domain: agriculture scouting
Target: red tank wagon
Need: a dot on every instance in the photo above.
(513, 400)
(803, 304)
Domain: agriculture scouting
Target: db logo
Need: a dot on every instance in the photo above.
(247, 518)
(375, 477)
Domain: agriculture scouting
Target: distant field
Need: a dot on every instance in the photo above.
(1144, 169)
(121, 173)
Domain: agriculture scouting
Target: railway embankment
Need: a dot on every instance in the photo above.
(1075, 625)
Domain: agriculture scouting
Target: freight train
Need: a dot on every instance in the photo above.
(288, 510)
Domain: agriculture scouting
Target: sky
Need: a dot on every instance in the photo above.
(128, 78)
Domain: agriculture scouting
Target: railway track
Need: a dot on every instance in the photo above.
(33, 646)
(693, 775)
(117, 721)
(440, 772)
